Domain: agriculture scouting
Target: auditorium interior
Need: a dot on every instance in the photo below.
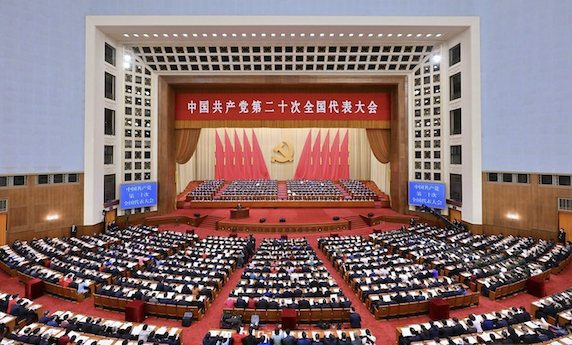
(263, 172)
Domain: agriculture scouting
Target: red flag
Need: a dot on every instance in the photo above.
(219, 156)
(345, 159)
(325, 163)
(229, 158)
(335, 157)
(303, 167)
(315, 166)
(238, 154)
(247, 157)
(260, 168)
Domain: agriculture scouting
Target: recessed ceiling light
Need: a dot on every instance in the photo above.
(419, 35)
(205, 35)
(389, 35)
(282, 34)
(292, 34)
(233, 35)
(135, 35)
(223, 35)
(215, 35)
(243, 34)
(312, 34)
(195, 35)
(125, 35)
(185, 35)
(360, 35)
(438, 35)
(341, 34)
(399, 35)
(351, 35)
(322, 34)
(263, 34)
(126, 57)
(175, 35)
(379, 35)
(436, 58)
(409, 35)
(428, 35)
(331, 35)
(155, 35)
(273, 34)
(369, 35)
(253, 34)
(302, 35)
(145, 35)
(165, 35)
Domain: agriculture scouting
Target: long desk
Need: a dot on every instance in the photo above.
(157, 309)
(302, 315)
(225, 333)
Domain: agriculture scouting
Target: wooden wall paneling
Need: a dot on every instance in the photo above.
(565, 222)
(536, 205)
(3, 222)
(28, 207)
(166, 189)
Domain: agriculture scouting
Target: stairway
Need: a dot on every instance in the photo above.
(383, 198)
(282, 193)
(347, 195)
(210, 222)
(356, 222)
(220, 191)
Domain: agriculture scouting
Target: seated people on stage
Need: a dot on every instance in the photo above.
(251, 190)
(206, 190)
(315, 190)
(358, 190)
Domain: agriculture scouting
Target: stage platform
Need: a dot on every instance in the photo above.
(296, 220)
(281, 204)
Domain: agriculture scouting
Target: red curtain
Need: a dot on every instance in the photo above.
(345, 159)
(305, 159)
(260, 169)
(247, 156)
(228, 158)
(335, 158)
(219, 155)
(323, 173)
(315, 166)
(238, 162)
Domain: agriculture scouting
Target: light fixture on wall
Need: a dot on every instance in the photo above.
(436, 58)
(512, 216)
(52, 217)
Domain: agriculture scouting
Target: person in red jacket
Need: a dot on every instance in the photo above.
(236, 337)
(64, 339)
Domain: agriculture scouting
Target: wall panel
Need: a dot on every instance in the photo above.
(29, 206)
(535, 205)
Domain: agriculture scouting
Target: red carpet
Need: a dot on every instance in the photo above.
(383, 330)
(292, 215)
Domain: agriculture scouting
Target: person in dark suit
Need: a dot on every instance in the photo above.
(288, 339)
(73, 231)
(240, 303)
(304, 340)
(262, 304)
(355, 319)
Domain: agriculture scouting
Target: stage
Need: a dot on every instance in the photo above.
(295, 219)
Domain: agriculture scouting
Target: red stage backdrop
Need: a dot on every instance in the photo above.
(283, 106)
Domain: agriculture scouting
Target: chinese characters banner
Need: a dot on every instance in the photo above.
(283, 106)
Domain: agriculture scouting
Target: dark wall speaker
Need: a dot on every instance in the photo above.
(197, 214)
(262, 220)
(370, 214)
(282, 220)
(336, 218)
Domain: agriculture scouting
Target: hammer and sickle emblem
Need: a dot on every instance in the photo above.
(286, 153)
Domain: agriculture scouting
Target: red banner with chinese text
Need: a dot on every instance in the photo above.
(283, 106)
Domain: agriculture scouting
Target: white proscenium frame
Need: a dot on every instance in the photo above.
(118, 31)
